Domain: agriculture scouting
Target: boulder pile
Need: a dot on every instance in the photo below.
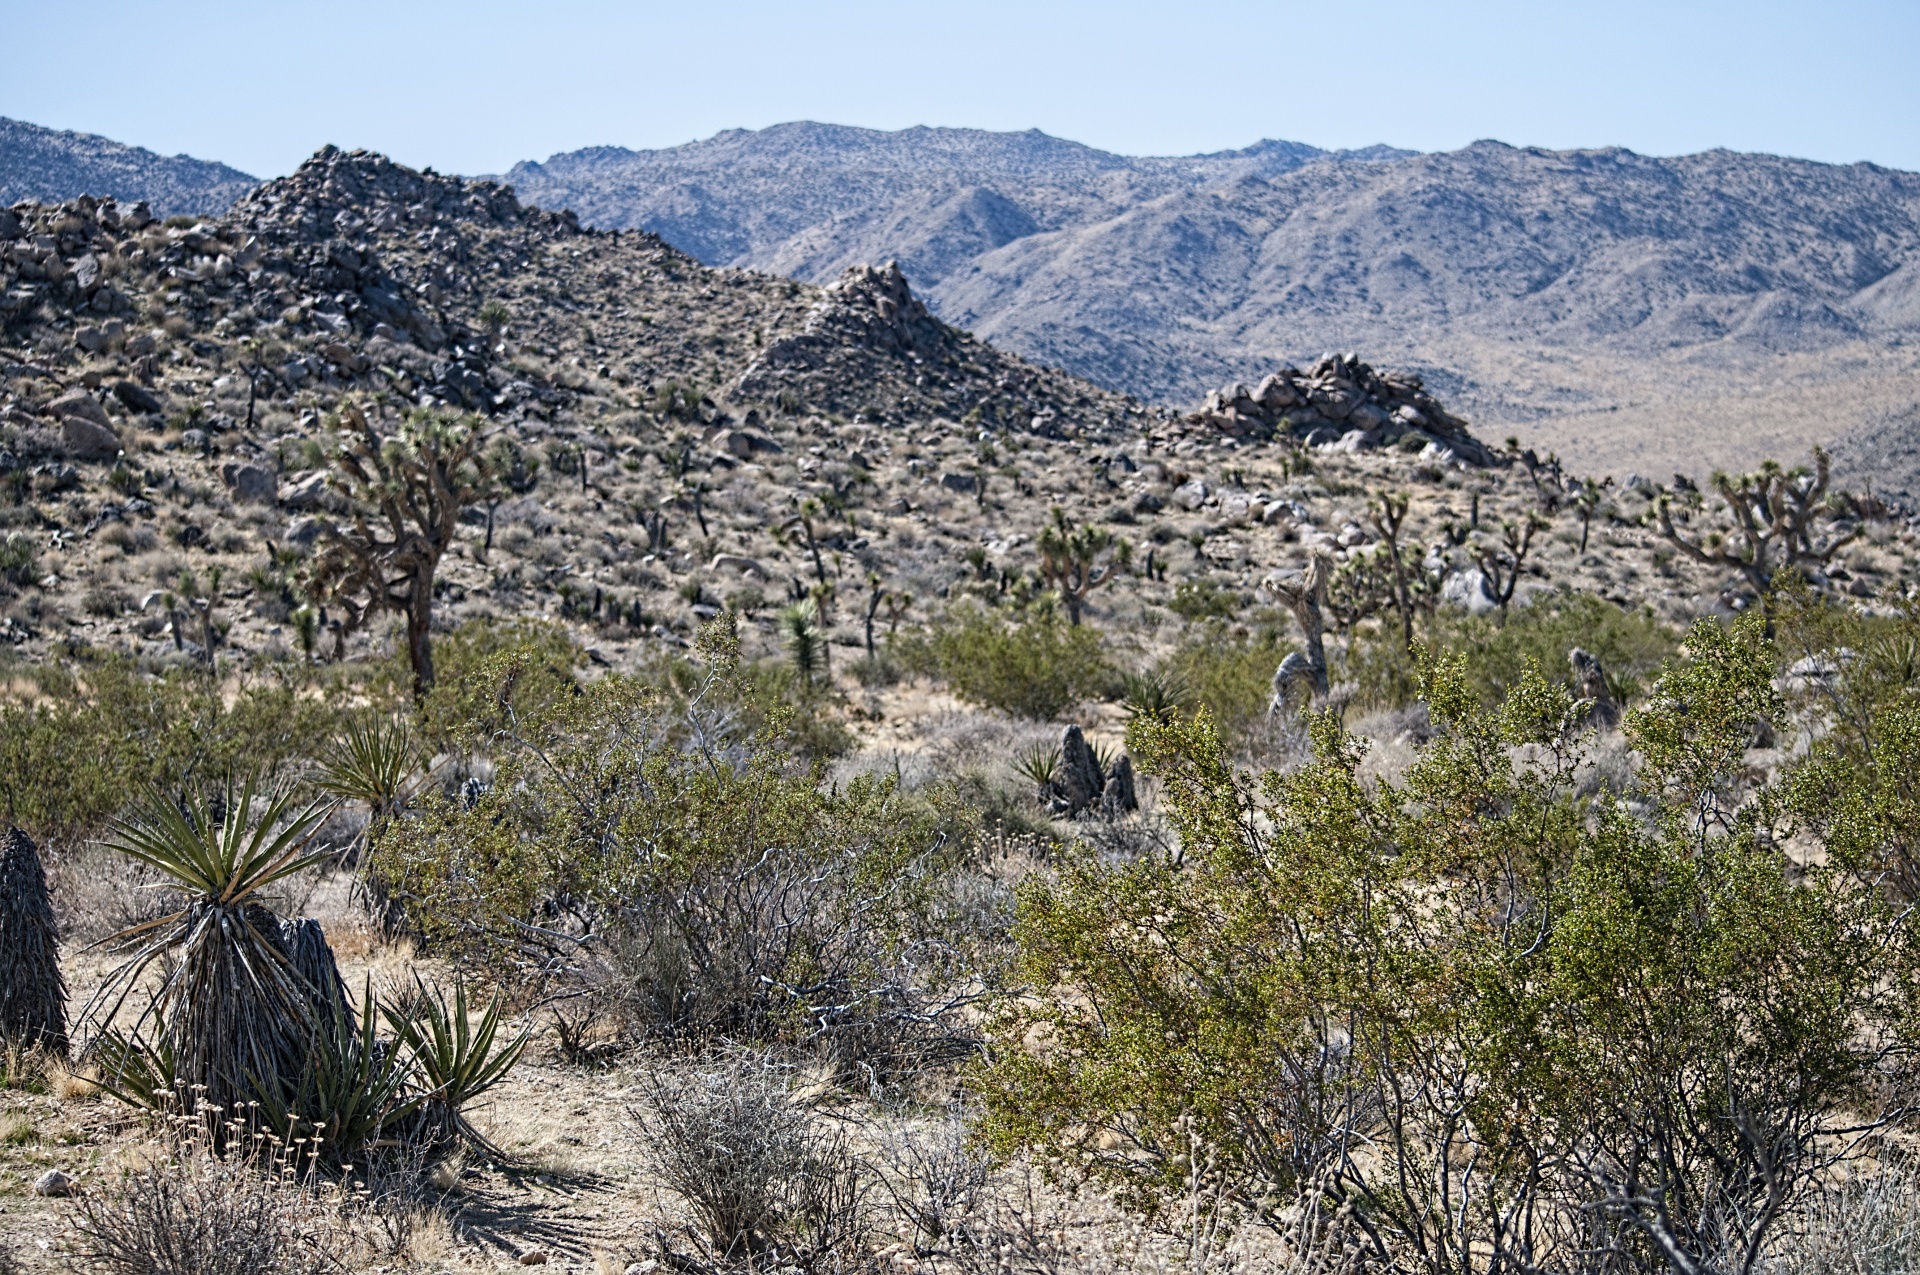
(1340, 402)
(850, 351)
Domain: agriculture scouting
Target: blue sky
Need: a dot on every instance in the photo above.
(473, 87)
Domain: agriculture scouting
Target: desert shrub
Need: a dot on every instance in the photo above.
(1036, 666)
(1204, 599)
(460, 700)
(734, 896)
(1229, 671)
(1632, 645)
(97, 734)
(1490, 1018)
(196, 1212)
(1867, 1225)
(772, 1184)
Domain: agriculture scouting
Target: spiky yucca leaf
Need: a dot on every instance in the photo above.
(377, 763)
(457, 1061)
(353, 1093)
(262, 839)
(1040, 764)
(1157, 695)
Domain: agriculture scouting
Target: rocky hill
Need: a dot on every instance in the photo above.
(52, 165)
(1626, 310)
(693, 438)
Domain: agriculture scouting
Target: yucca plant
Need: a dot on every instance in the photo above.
(33, 995)
(353, 1094)
(456, 1060)
(1158, 695)
(236, 1016)
(1039, 764)
(377, 763)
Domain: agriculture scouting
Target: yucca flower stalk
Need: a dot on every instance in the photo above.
(235, 1015)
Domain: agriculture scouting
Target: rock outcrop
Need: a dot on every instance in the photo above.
(1342, 402)
(868, 323)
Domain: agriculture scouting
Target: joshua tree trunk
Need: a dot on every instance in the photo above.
(419, 630)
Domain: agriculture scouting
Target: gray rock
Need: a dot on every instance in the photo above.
(744, 443)
(85, 440)
(86, 273)
(1081, 782)
(196, 440)
(960, 482)
(79, 403)
(736, 562)
(9, 225)
(138, 398)
(1117, 797)
(251, 484)
(1190, 495)
(90, 339)
(1468, 591)
(310, 493)
(305, 532)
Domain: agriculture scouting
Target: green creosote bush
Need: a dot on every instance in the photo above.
(98, 732)
(1487, 1019)
(461, 705)
(732, 894)
(1229, 672)
(1034, 665)
(1632, 645)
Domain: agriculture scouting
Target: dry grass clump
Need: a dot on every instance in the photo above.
(1869, 1226)
(194, 1212)
(770, 1184)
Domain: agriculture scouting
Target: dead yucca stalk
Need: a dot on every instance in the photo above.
(232, 1015)
(33, 995)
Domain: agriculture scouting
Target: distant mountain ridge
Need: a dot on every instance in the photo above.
(811, 199)
(51, 165)
(1623, 308)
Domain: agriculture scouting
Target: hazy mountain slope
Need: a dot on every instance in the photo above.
(1585, 248)
(1626, 310)
(812, 199)
(51, 165)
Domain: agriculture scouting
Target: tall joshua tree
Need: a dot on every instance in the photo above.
(33, 995)
(1077, 560)
(405, 492)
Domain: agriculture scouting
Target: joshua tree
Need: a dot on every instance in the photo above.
(1388, 514)
(1782, 518)
(874, 594)
(1305, 594)
(1501, 563)
(405, 492)
(1588, 503)
(1076, 560)
(801, 528)
(33, 995)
